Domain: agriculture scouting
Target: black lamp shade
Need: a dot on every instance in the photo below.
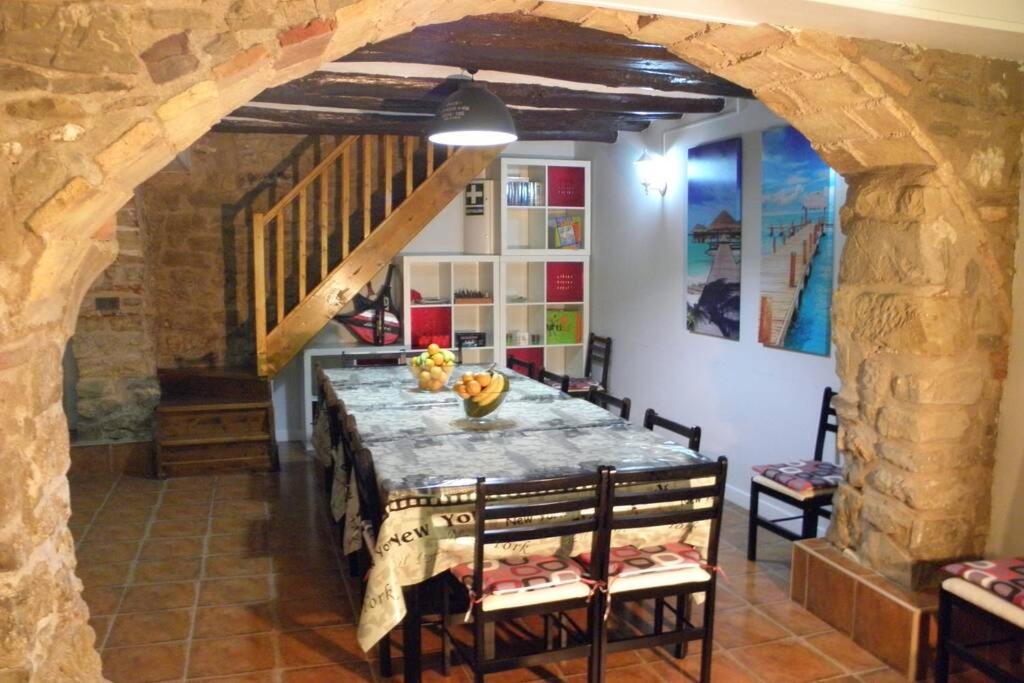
(473, 116)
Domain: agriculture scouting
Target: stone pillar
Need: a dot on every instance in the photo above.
(114, 345)
(920, 331)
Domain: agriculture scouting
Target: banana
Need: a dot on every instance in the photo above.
(491, 391)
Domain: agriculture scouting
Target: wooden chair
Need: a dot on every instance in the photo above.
(654, 498)
(521, 366)
(554, 379)
(607, 401)
(599, 354)
(500, 509)
(976, 623)
(691, 434)
(807, 485)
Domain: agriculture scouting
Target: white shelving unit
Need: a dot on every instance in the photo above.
(541, 202)
(443, 312)
(528, 303)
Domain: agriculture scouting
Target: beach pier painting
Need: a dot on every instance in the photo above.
(714, 239)
(796, 245)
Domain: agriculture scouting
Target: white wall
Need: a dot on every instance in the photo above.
(1006, 536)
(755, 405)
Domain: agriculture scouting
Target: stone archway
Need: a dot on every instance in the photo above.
(101, 96)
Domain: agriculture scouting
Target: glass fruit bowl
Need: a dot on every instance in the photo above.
(433, 368)
(482, 393)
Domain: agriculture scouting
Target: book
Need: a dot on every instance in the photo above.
(563, 327)
(567, 232)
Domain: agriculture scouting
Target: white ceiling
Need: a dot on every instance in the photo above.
(992, 28)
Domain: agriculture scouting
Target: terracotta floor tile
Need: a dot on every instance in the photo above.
(224, 656)
(239, 508)
(726, 598)
(100, 626)
(158, 596)
(840, 648)
(794, 617)
(233, 620)
(101, 553)
(320, 646)
(101, 599)
(254, 677)
(163, 571)
(244, 543)
(351, 671)
(145, 664)
(237, 525)
(307, 585)
(723, 670)
(883, 676)
(786, 662)
(184, 511)
(229, 591)
(108, 533)
(430, 668)
(178, 527)
(745, 626)
(142, 628)
(172, 548)
(314, 612)
(761, 587)
(304, 563)
(223, 566)
(111, 574)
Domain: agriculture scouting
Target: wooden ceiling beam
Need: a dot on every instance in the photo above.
(532, 124)
(549, 48)
(424, 95)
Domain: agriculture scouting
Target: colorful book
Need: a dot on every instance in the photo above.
(564, 327)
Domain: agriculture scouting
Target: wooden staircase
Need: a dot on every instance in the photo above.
(214, 420)
(340, 225)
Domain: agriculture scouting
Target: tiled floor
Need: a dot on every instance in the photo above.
(235, 578)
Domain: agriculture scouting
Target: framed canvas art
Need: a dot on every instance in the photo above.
(714, 232)
(797, 231)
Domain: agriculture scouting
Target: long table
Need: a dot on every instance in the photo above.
(428, 456)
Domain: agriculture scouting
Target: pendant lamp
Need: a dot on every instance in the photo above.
(472, 116)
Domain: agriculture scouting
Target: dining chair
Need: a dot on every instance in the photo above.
(683, 495)
(691, 434)
(599, 356)
(510, 588)
(554, 379)
(807, 485)
(527, 368)
(607, 401)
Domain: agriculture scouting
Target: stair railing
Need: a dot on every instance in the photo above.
(316, 222)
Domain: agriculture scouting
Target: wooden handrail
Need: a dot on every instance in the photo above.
(273, 211)
(367, 180)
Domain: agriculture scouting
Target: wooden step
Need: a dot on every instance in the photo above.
(229, 423)
(214, 440)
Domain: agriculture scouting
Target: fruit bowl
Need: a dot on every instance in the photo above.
(432, 368)
(482, 393)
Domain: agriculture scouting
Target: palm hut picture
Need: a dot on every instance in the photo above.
(714, 237)
(796, 244)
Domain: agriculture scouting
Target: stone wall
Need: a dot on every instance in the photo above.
(99, 96)
(201, 261)
(114, 343)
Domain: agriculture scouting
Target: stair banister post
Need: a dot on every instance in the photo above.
(259, 292)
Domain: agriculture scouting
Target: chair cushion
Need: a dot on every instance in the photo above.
(1003, 578)
(517, 574)
(803, 475)
(632, 568)
(985, 599)
(792, 493)
(576, 384)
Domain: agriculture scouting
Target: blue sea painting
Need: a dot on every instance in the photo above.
(797, 230)
(713, 238)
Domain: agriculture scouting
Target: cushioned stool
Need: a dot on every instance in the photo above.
(807, 485)
(992, 593)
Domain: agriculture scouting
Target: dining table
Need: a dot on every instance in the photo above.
(427, 456)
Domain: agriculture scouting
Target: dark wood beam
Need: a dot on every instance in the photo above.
(532, 124)
(424, 95)
(550, 48)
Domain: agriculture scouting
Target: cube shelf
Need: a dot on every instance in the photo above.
(455, 293)
(545, 206)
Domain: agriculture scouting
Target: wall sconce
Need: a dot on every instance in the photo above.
(651, 169)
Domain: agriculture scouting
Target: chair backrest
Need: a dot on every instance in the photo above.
(501, 508)
(691, 434)
(365, 475)
(549, 377)
(599, 350)
(604, 399)
(828, 421)
(667, 496)
(521, 366)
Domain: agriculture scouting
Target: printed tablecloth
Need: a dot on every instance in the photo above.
(426, 469)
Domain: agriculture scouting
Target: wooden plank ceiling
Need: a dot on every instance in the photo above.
(560, 81)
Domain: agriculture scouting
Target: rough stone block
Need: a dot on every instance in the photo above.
(921, 425)
(926, 326)
(913, 253)
(948, 386)
(170, 58)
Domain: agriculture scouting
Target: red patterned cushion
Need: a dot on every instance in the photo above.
(628, 560)
(513, 574)
(1005, 578)
(803, 475)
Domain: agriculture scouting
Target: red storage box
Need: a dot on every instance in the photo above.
(431, 325)
(566, 186)
(565, 282)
